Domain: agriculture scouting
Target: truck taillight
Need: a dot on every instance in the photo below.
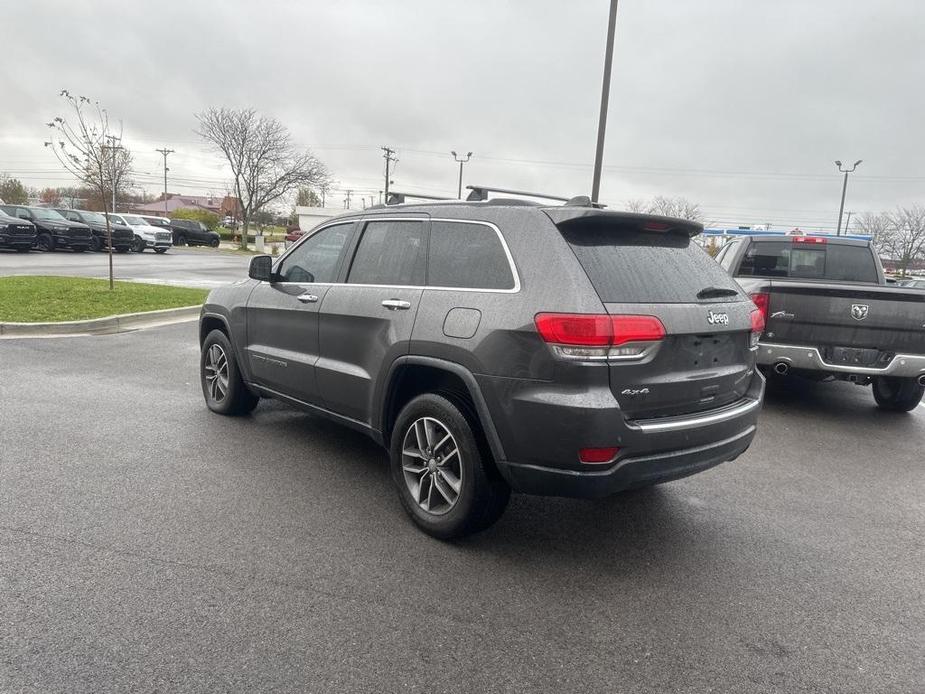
(599, 336)
(762, 301)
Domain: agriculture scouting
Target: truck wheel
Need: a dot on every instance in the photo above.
(95, 244)
(160, 250)
(897, 394)
(139, 246)
(45, 242)
(213, 243)
(222, 385)
(180, 240)
(442, 470)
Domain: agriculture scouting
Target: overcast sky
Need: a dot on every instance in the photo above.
(739, 105)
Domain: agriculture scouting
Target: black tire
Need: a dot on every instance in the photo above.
(95, 244)
(160, 251)
(213, 243)
(45, 242)
(180, 240)
(237, 398)
(140, 245)
(483, 494)
(897, 394)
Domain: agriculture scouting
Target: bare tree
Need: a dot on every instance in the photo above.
(265, 164)
(678, 207)
(880, 228)
(83, 143)
(907, 235)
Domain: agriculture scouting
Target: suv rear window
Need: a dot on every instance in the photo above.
(626, 265)
(464, 254)
(834, 262)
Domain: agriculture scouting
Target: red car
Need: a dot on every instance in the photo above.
(293, 235)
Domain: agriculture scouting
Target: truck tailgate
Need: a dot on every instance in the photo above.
(829, 315)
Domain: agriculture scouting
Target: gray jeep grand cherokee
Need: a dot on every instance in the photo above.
(496, 346)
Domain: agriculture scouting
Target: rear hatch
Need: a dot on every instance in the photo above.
(837, 319)
(650, 266)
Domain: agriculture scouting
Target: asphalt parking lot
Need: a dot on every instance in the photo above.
(190, 267)
(150, 545)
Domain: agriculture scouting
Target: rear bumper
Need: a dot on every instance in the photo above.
(625, 474)
(542, 430)
(810, 359)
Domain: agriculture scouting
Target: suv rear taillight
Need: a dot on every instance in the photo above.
(599, 336)
(762, 301)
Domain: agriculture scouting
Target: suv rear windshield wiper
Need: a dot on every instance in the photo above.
(711, 292)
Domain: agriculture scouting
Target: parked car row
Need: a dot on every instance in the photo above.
(24, 228)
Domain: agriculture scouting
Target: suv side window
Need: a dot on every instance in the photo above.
(73, 216)
(316, 258)
(23, 213)
(390, 252)
(464, 254)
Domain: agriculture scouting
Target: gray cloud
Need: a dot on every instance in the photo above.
(740, 106)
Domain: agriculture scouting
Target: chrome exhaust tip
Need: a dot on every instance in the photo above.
(782, 368)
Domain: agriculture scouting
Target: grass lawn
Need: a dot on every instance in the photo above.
(39, 299)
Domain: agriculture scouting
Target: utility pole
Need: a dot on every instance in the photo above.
(113, 148)
(848, 222)
(165, 152)
(389, 159)
(380, 197)
(347, 200)
(461, 162)
(605, 101)
(844, 189)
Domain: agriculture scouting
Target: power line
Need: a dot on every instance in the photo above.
(164, 151)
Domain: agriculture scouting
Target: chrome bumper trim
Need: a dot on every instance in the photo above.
(797, 357)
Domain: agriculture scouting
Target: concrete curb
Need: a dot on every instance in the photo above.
(101, 326)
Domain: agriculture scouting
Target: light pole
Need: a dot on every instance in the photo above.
(461, 161)
(605, 101)
(844, 189)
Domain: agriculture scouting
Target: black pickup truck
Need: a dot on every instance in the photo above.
(53, 230)
(830, 315)
(16, 233)
(123, 238)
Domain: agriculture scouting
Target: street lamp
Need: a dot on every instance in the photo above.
(461, 161)
(844, 189)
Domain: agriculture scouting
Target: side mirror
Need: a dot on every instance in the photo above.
(261, 268)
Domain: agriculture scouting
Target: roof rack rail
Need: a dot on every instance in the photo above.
(396, 198)
(480, 193)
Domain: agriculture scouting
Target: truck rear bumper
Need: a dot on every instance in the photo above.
(810, 359)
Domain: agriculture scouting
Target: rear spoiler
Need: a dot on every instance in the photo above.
(570, 216)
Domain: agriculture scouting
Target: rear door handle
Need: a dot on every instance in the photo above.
(307, 298)
(396, 304)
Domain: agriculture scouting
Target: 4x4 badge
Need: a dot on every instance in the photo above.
(859, 311)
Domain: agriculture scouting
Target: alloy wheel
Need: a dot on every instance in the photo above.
(431, 465)
(216, 373)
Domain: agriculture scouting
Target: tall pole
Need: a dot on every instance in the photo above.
(848, 222)
(461, 161)
(605, 101)
(844, 189)
(389, 158)
(112, 147)
(165, 152)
